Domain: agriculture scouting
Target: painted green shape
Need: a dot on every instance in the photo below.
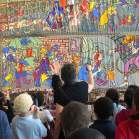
(15, 43)
(37, 42)
(30, 61)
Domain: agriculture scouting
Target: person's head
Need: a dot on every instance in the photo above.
(40, 98)
(56, 82)
(74, 116)
(128, 96)
(113, 94)
(22, 104)
(87, 133)
(103, 108)
(136, 100)
(68, 73)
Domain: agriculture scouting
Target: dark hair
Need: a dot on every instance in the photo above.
(103, 108)
(136, 103)
(1, 99)
(87, 133)
(68, 73)
(113, 94)
(40, 98)
(56, 82)
(129, 93)
(74, 116)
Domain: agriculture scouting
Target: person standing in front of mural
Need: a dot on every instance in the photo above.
(71, 90)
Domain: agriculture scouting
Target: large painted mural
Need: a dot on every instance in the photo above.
(27, 62)
(45, 17)
(38, 35)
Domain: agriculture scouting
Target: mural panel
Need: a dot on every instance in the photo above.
(26, 17)
(27, 62)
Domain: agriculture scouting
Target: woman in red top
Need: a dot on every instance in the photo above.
(128, 98)
(129, 129)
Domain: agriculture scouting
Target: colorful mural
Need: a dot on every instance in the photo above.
(27, 62)
(26, 17)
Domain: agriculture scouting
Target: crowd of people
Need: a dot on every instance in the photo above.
(25, 118)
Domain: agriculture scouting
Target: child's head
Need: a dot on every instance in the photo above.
(103, 108)
(113, 94)
(23, 103)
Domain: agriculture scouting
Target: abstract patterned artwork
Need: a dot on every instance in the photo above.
(26, 17)
(27, 61)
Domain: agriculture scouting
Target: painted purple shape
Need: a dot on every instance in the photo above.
(132, 61)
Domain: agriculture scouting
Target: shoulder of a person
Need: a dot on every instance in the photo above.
(124, 125)
(81, 82)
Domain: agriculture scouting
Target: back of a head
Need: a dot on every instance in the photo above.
(56, 82)
(103, 108)
(136, 99)
(129, 93)
(87, 133)
(74, 116)
(40, 98)
(23, 103)
(113, 94)
(68, 73)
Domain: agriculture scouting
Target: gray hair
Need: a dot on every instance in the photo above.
(74, 116)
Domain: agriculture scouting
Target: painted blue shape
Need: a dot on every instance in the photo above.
(23, 74)
(24, 41)
(96, 12)
(24, 62)
(5, 83)
(83, 73)
(10, 58)
(49, 82)
(17, 75)
(49, 54)
(37, 82)
(13, 48)
(55, 47)
(5, 50)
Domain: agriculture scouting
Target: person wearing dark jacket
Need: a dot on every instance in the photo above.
(103, 108)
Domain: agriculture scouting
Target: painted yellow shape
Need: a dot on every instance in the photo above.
(111, 10)
(7, 88)
(111, 75)
(43, 50)
(8, 77)
(91, 5)
(128, 39)
(43, 77)
(104, 19)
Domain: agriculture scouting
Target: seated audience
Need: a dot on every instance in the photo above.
(103, 108)
(5, 131)
(128, 99)
(26, 125)
(129, 129)
(75, 118)
(113, 94)
(43, 113)
(71, 90)
(6, 106)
